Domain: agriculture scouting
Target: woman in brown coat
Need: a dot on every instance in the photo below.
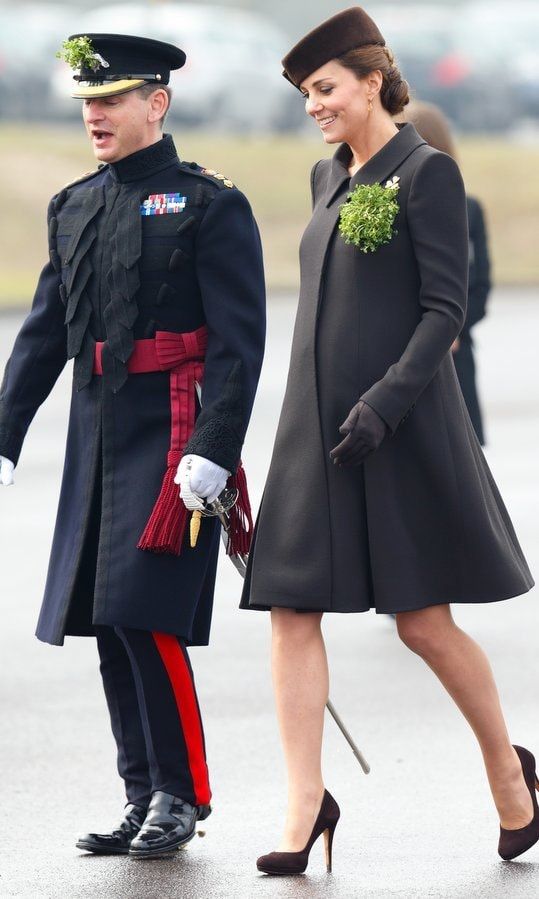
(364, 504)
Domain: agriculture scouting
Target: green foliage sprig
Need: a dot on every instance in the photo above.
(79, 53)
(366, 219)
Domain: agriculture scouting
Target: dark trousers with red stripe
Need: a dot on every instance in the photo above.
(154, 713)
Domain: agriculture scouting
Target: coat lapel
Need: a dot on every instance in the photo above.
(379, 167)
(384, 163)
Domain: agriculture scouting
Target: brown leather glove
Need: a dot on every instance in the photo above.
(364, 430)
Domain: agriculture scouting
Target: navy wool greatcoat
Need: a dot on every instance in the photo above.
(117, 275)
(421, 522)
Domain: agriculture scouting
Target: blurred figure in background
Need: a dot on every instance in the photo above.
(433, 127)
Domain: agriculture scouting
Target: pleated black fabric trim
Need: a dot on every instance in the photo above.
(123, 280)
(84, 362)
(76, 293)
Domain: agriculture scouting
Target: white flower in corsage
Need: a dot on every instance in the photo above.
(366, 219)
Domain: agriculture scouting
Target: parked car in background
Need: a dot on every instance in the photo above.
(508, 52)
(29, 37)
(464, 58)
(232, 78)
(438, 52)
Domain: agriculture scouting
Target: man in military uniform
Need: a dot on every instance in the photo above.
(155, 289)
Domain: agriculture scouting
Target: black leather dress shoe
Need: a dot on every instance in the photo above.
(169, 824)
(118, 841)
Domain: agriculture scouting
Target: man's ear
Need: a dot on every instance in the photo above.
(158, 105)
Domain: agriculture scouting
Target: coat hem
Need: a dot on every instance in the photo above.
(294, 604)
(51, 640)
(185, 634)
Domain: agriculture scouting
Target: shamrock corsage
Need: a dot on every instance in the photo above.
(366, 219)
(79, 53)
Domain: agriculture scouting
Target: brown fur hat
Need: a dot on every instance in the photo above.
(347, 30)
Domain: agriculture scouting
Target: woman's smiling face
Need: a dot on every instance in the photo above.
(337, 100)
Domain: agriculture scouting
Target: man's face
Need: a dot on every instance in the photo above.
(118, 126)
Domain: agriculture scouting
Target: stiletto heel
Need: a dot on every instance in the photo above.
(296, 862)
(328, 846)
(515, 842)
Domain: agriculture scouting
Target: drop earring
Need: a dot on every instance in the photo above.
(369, 105)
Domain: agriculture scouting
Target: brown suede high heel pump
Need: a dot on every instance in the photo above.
(296, 862)
(515, 842)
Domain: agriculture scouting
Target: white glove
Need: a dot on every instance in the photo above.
(6, 472)
(200, 479)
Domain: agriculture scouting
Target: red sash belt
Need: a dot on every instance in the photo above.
(182, 355)
(160, 353)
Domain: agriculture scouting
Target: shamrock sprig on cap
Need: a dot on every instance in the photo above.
(79, 53)
(366, 219)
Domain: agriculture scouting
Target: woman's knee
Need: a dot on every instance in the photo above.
(425, 631)
(289, 626)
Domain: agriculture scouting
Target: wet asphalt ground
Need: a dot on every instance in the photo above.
(420, 825)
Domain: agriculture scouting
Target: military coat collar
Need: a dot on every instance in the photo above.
(145, 162)
(378, 167)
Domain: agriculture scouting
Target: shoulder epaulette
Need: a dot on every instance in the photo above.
(85, 177)
(210, 175)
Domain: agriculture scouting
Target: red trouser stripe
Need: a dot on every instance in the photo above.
(184, 693)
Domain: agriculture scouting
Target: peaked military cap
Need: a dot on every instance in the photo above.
(347, 30)
(118, 63)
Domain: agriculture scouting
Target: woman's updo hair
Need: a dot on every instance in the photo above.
(394, 93)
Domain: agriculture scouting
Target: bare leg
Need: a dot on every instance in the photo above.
(300, 680)
(464, 670)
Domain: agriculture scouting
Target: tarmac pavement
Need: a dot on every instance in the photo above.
(421, 824)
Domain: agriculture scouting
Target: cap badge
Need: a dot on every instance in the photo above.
(103, 62)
